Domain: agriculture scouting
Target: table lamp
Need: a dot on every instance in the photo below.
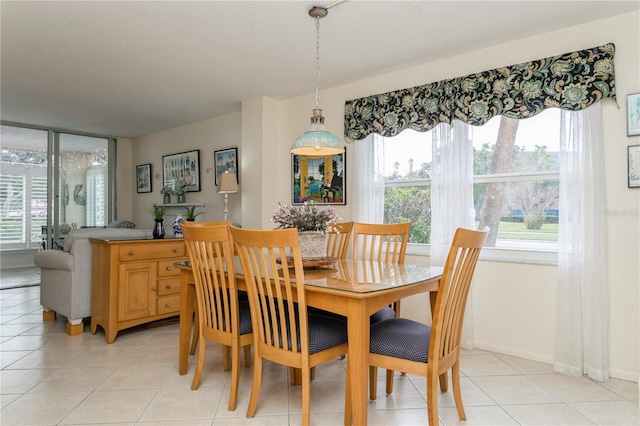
(228, 185)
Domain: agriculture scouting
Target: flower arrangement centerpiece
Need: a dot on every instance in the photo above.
(166, 192)
(312, 223)
(191, 212)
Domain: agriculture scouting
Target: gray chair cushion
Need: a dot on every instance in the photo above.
(324, 332)
(401, 338)
(245, 317)
(382, 314)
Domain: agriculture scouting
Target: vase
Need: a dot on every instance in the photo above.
(166, 199)
(177, 222)
(313, 245)
(181, 199)
(158, 229)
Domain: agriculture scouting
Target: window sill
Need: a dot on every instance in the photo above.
(498, 254)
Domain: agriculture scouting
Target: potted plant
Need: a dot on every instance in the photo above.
(179, 189)
(166, 192)
(191, 212)
(158, 212)
(312, 223)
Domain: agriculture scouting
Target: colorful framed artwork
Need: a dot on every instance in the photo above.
(633, 154)
(319, 179)
(633, 114)
(182, 168)
(143, 178)
(226, 160)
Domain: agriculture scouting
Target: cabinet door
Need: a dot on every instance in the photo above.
(137, 290)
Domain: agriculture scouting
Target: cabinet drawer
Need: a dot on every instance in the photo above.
(166, 268)
(169, 304)
(167, 286)
(170, 250)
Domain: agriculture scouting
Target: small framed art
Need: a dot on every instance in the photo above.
(143, 178)
(633, 152)
(182, 168)
(226, 161)
(633, 114)
(319, 179)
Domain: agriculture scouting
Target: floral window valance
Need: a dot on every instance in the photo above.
(571, 81)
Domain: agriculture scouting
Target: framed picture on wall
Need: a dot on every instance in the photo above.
(143, 178)
(633, 152)
(182, 168)
(633, 114)
(226, 161)
(319, 179)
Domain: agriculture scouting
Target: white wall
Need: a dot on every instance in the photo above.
(513, 304)
(207, 136)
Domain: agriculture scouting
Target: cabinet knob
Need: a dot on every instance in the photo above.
(175, 250)
(168, 305)
(131, 253)
(168, 287)
(153, 289)
(168, 268)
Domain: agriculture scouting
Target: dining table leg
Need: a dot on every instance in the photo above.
(357, 362)
(187, 301)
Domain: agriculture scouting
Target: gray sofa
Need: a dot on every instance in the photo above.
(65, 279)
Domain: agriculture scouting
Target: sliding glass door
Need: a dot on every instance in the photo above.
(52, 182)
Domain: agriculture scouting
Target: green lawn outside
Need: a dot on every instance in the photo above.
(518, 231)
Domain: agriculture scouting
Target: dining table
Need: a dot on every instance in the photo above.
(352, 288)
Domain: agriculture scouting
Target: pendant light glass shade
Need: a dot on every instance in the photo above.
(317, 141)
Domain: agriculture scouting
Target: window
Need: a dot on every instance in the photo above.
(23, 205)
(515, 175)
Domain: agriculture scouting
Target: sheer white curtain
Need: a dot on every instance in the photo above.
(369, 162)
(582, 303)
(452, 198)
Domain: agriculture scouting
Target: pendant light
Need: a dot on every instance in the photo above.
(317, 141)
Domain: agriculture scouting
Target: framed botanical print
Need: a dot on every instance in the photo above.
(633, 153)
(182, 168)
(226, 161)
(143, 178)
(319, 179)
(633, 114)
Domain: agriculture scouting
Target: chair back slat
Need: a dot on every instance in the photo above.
(453, 293)
(338, 239)
(381, 242)
(274, 291)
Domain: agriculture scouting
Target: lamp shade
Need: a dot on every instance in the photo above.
(228, 183)
(317, 140)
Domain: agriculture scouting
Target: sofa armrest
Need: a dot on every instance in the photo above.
(54, 259)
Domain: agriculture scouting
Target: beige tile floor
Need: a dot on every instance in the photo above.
(49, 378)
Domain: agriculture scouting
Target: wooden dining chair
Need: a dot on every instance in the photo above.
(382, 243)
(410, 346)
(284, 332)
(339, 235)
(221, 317)
(194, 336)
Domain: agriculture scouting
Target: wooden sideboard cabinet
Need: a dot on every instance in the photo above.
(134, 282)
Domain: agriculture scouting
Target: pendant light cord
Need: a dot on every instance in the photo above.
(317, 62)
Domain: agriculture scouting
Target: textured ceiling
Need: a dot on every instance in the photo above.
(131, 68)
